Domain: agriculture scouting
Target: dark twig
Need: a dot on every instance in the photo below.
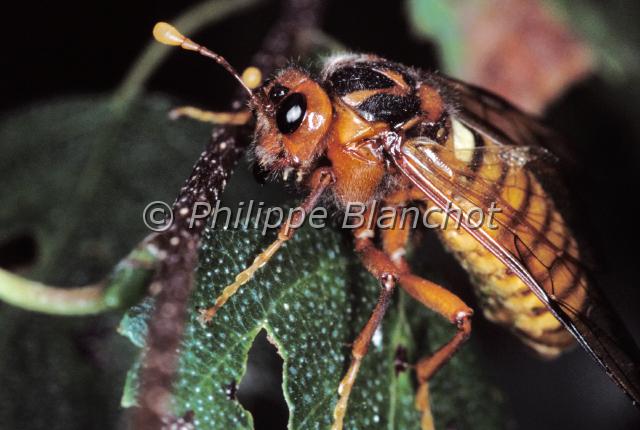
(177, 247)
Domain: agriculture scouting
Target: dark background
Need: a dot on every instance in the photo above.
(86, 47)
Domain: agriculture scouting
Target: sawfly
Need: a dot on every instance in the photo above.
(369, 130)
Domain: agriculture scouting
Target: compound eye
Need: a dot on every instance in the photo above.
(277, 93)
(291, 113)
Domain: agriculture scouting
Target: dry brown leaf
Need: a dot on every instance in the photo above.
(520, 50)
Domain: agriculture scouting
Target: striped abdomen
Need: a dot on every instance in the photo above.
(493, 173)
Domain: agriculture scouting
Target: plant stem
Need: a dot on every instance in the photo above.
(34, 296)
(206, 183)
(189, 22)
(123, 288)
(127, 279)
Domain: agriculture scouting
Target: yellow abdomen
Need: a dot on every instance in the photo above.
(504, 298)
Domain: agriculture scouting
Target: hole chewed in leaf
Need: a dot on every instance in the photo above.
(311, 299)
(260, 391)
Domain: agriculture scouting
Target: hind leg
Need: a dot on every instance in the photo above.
(381, 264)
(442, 301)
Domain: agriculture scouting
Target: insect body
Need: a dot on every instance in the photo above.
(368, 130)
(374, 100)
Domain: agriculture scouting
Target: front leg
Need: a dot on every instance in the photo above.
(321, 179)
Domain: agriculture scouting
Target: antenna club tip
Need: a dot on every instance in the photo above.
(167, 34)
(252, 77)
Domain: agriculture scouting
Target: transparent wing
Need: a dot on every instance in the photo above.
(532, 239)
(496, 118)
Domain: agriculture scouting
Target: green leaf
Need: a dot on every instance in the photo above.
(311, 299)
(611, 31)
(437, 20)
(79, 173)
(76, 175)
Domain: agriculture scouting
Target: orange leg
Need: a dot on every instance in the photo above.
(433, 296)
(395, 238)
(451, 307)
(360, 348)
(394, 242)
(428, 293)
(321, 179)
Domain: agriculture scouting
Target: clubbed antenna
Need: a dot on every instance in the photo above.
(167, 34)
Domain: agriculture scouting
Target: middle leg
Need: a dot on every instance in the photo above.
(394, 241)
(360, 348)
(448, 305)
